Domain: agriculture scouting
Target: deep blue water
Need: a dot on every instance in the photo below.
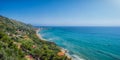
(88, 43)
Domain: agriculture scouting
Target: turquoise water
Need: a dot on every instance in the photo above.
(86, 43)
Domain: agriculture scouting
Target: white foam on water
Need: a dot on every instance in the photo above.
(75, 57)
(72, 56)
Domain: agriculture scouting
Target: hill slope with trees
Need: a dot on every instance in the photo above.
(18, 41)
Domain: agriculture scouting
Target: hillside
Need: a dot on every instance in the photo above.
(18, 41)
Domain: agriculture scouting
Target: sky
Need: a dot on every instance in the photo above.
(63, 12)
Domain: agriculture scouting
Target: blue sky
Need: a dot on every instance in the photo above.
(63, 12)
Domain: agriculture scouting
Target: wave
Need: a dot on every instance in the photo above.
(73, 56)
(76, 57)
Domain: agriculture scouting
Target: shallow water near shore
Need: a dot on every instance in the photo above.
(86, 43)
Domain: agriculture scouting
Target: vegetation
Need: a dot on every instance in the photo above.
(18, 41)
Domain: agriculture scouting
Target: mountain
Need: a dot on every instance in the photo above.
(18, 41)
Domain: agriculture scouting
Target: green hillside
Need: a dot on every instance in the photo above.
(18, 41)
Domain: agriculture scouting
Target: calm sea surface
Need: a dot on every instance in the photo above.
(86, 43)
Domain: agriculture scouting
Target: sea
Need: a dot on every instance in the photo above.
(85, 42)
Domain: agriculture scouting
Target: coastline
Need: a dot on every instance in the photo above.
(38, 35)
(62, 50)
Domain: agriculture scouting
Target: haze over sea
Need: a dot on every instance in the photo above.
(87, 43)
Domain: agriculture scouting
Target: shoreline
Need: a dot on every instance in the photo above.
(62, 50)
(38, 35)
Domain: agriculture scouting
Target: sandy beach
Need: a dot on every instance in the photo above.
(37, 33)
